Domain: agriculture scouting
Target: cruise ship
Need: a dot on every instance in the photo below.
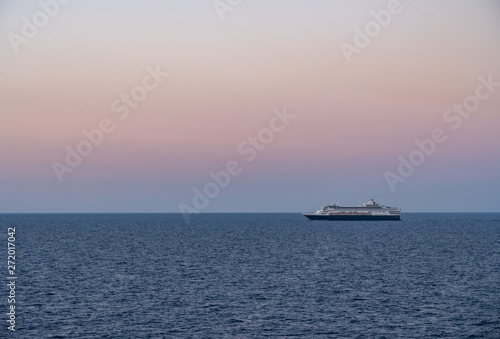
(369, 211)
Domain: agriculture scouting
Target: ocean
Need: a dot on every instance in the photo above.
(430, 275)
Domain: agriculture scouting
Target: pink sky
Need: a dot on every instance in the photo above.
(352, 121)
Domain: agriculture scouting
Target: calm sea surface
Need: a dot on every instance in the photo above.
(253, 276)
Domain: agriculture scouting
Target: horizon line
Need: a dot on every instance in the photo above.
(2, 213)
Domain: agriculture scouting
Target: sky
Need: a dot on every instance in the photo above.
(290, 104)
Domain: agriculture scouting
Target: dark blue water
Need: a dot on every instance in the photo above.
(254, 276)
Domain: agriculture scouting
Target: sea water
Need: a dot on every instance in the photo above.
(253, 276)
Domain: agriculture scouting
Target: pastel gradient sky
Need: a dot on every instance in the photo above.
(352, 121)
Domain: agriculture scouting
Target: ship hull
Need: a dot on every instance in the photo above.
(314, 216)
